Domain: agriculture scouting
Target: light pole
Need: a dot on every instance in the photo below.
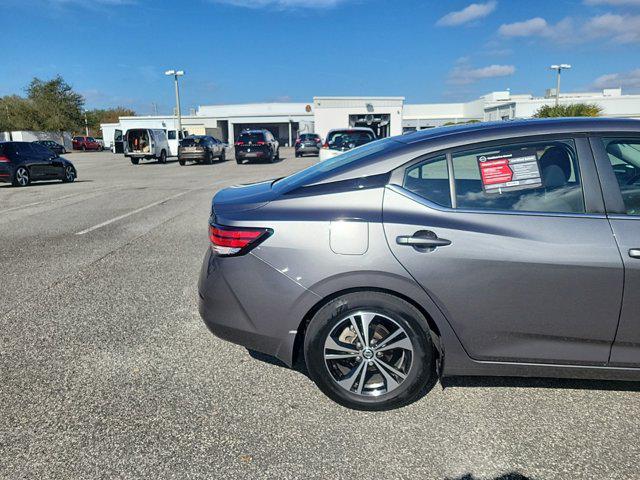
(86, 124)
(176, 74)
(558, 69)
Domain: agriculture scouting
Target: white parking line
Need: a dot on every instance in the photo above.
(133, 212)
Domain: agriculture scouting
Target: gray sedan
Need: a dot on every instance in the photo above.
(492, 249)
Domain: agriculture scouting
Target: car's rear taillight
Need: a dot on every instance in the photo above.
(239, 143)
(229, 241)
(260, 143)
(297, 141)
(4, 159)
(326, 145)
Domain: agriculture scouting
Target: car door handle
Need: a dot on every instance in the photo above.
(634, 253)
(423, 239)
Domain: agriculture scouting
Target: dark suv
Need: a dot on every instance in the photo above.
(24, 162)
(308, 143)
(258, 145)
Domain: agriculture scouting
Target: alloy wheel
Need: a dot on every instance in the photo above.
(368, 353)
(69, 173)
(22, 177)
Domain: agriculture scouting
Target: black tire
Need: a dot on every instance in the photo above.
(84, 148)
(223, 156)
(135, 161)
(406, 316)
(208, 160)
(70, 174)
(163, 157)
(182, 162)
(21, 177)
(277, 157)
(298, 155)
(238, 161)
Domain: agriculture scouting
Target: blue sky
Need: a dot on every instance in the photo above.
(234, 51)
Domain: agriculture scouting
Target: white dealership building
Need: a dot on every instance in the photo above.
(386, 115)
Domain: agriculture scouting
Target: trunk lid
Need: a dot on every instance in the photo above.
(243, 197)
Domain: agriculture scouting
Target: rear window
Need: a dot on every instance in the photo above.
(192, 141)
(251, 137)
(349, 138)
(309, 136)
(333, 165)
(91, 139)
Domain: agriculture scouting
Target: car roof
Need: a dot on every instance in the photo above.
(542, 126)
(403, 149)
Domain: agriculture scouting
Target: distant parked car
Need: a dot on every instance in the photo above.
(55, 147)
(257, 144)
(308, 143)
(24, 162)
(86, 143)
(344, 139)
(201, 149)
(146, 143)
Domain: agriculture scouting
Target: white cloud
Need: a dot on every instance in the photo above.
(472, 12)
(463, 74)
(538, 27)
(628, 80)
(621, 29)
(613, 27)
(614, 3)
(283, 4)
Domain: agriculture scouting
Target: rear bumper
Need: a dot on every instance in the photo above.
(237, 303)
(6, 173)
(308, 149)
(192, 155)
(327, 153)
(254, 153)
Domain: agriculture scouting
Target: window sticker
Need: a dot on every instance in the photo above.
(505, 172)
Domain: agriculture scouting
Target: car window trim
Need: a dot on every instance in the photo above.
(591, 190)
(613, 200)
(527, 213)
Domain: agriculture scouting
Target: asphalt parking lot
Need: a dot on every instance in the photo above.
(107, 371)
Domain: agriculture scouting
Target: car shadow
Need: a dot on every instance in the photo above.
(300, 366)
(477, 381)
(538, 382)
(506, 476)
(44, 183)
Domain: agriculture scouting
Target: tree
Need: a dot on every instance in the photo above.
(110, 115)
(57, 106)
(572, 110)
(17, 113)
(451, 124)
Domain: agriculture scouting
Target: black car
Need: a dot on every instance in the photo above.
(55, 147)
(201, 149)
(308, 143)
(257, 145)
(24, 162)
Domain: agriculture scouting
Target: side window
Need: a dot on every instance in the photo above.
(24, 149)
(531, 177)
(40, 150)
(624, 155)
(430, 180)
(171, 135)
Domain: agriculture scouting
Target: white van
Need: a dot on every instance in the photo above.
(146, 143)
